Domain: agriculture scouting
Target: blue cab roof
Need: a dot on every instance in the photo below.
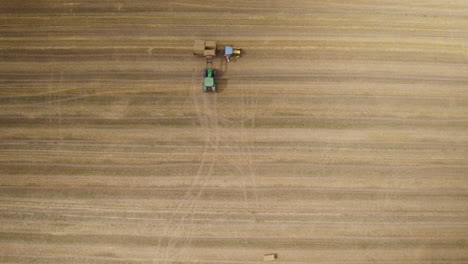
(228, 50)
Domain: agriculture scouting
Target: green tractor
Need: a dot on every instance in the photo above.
(209, 84)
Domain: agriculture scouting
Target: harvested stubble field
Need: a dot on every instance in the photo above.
(339, 137)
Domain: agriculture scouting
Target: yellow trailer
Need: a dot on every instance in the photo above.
(204, 48)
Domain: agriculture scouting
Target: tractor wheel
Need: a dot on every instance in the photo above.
(204, 73)
(214, 73)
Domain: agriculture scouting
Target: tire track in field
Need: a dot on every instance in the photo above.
(252, 174)
(248, 102)
(207, 116)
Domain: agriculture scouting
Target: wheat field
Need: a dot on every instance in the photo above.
(340, 136)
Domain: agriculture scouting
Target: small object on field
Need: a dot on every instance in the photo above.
(270, 257)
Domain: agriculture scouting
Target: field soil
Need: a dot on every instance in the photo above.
(340, 135)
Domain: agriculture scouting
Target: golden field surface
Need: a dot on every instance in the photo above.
(340, 136)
